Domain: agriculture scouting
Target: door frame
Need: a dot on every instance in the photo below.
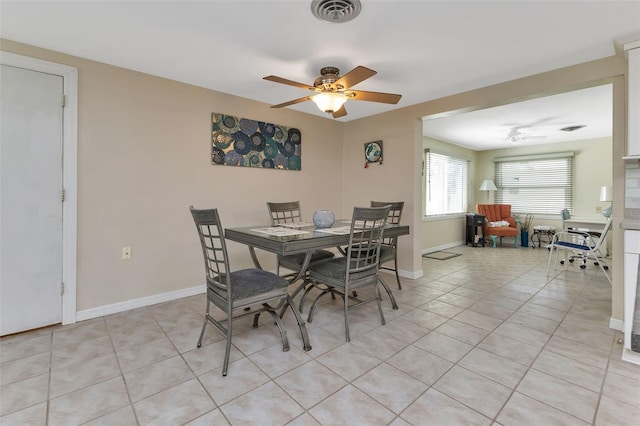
(69, 170)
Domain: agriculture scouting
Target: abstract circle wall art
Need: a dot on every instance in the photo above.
(243, 142)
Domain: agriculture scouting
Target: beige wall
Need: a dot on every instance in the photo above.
(394, 180)
(143, 148)
(144, 157)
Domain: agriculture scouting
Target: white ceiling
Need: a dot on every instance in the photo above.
(423, 50)
(539, 121)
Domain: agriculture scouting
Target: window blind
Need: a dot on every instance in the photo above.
(535, 185)
(446, 182)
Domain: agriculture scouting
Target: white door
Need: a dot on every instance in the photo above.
(30, 199)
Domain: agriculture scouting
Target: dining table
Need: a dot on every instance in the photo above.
(303, 237)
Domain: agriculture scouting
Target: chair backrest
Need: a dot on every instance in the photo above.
(284, 212)
(214, 248)
(564, 215)
(603, 234)
(494, 212)
(395, 214)
(363, 252)
(395, 211)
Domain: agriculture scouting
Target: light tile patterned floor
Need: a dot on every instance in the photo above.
(484, 338)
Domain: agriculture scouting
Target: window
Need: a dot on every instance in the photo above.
(541, 184)
(446, 180)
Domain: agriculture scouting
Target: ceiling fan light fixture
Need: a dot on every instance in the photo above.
(329, 102)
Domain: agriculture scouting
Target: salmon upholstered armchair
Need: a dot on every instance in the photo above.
(500, 223)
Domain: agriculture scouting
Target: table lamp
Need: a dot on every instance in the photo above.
(606, 195)
(488, 185)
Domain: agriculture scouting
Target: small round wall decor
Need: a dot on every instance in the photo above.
(372, 153)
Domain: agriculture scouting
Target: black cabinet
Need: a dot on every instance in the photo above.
(475, 229)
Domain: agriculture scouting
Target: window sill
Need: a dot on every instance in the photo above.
(443, 217)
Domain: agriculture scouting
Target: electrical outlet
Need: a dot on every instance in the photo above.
(598, 209)
(126, 253)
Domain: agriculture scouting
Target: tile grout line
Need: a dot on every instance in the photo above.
(124, 379)
(48, 405)
(531, 366)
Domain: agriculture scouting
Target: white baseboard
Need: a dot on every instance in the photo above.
(616, 324)
(138, 303)
(173, 295)
(630, 356)
(411, 275)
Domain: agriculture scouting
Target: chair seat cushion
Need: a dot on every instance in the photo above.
(573, 246)
(387, 253)
(298, 259)
(336, 269)
(250, 282)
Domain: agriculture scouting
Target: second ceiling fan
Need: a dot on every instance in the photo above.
(516, 136)
(331, 90)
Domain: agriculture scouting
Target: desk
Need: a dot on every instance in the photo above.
(307, 242)
(586, 224)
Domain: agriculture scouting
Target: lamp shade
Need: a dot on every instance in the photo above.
(488, 185)
(605, 193)
(329, 102)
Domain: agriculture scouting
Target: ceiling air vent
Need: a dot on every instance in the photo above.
(336, 11)
(572, 128)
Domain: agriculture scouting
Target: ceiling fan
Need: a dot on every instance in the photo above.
(331, 90)
(516, 136)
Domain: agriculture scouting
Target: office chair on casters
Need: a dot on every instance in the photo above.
(585, 244)
(564, 216)
(233, 291)
(578, 238)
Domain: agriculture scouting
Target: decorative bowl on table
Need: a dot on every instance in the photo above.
(323, 218)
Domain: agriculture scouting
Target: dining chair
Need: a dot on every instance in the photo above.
(238, 290)
(389, 247)
(356, 270)
(288, 213)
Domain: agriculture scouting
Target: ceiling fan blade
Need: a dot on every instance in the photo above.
(340, 113)
(295, 101)
(355, 76)
(386, 98)
(281, 80)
